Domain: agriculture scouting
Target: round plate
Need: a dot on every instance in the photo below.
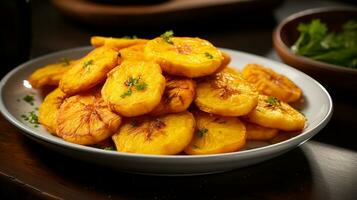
(14, 86)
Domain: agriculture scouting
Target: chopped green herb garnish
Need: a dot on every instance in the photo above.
(208, 55)
(141, 86)
(195, 146)
(201, 132)
(127, 93)
(167, 36)
(272, 101)
(318, 43)
(32, 118)
(29, 99)
(109, 148)
(133, 82)
(65, 61)
(87, 63)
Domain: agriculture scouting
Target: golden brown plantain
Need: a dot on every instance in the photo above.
(226, 93)
(135, 52)
(270, 83)
(166, 135)
(257, 132)
(85, 119)
(89, 71)
(49, 109)
(216, 134)
(184, 56)
(134, 88)
(50, 74)
(225, 62)
(273, 113)
(178, 95)
(117, 43)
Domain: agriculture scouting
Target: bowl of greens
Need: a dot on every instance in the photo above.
(321, 42)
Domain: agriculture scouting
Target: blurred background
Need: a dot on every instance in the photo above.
(31, 28)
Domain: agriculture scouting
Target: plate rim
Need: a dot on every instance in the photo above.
(299, 139)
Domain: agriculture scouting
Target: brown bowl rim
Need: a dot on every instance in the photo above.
(277, 39)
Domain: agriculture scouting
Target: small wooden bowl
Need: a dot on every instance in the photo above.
(330, 75)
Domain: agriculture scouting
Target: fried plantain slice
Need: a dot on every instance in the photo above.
(216, 134)
(50, 74)
(135, 52)
(117, 43)
(89, 71)
(178, 95)
(166, 135)
(226, 93)
(257, 132)
(49, 109)
(85, 119)
(134, 88)
(273, 113)
(270, 83)
(225, 62)
(184, 56)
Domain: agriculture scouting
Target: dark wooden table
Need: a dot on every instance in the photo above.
(323, 168)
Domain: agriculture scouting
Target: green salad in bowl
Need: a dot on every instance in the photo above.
(317, 42)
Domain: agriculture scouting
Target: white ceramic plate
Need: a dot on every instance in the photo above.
(317, 109)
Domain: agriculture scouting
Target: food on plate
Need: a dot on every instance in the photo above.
(184, 56)
(49, 109)
(226, 60)
(89, 71)
(136, 96)
(178, 95)
(273, 113)
(86, 119)
(216, 134)
(257, 132)
(164, 135)
(134, 88)
(226, 93)
(271, 83)
(135, 52)
(50, 74)
(117, 43)
(318, 43)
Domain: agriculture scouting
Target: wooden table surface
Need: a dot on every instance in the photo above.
(322, 168)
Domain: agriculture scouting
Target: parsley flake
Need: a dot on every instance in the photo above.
(133, 82)
(141, 86)
(127, 93)
(167, 36)
(272, 101)
(208, 55)
(32, 118)
(87, 63)
(29, 99)
(201, 132)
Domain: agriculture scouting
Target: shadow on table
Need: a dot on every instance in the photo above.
(341, 130)
(288, 176)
